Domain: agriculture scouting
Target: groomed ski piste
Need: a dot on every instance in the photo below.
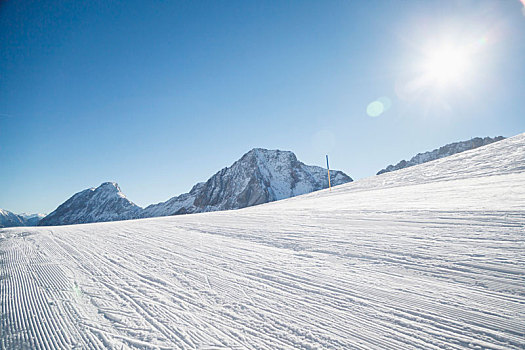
(429, 257)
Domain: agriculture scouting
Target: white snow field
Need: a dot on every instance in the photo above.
(430, 257)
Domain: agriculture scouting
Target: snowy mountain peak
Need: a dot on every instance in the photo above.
(110, 188)
(262, 154)
(109, 185)
(104, 203)
(259, 176)
(30, 216)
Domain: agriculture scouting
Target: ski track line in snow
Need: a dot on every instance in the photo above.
(428, 257)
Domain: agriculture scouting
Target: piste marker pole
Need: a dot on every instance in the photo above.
(328, 168)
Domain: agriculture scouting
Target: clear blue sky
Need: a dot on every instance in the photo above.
(158, 95)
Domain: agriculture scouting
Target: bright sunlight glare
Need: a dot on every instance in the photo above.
(446, 65)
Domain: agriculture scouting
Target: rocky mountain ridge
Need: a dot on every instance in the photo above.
(104, 203)
(260, 176)
(444, 151)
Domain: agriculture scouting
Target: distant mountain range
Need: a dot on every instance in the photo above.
(9, 219)
(32, 219)
(445, 151)
(260, 176)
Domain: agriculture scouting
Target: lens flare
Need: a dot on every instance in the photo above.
(375, 109)
(378, 107)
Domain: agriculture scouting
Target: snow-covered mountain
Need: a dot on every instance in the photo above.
(32, 219)
(9, 219)
(260, 176)
(445, 151)
(104, 203)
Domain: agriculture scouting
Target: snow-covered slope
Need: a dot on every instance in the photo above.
(444, 151)
(428, 257)
(9, 219)
(104, 203)
(260, 176)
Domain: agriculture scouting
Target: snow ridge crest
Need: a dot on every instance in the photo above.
(444, 151)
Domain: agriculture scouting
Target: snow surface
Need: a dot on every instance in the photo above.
(431, 257)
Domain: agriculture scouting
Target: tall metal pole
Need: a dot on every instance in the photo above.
(328, 168)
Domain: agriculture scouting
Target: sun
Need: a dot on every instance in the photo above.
(446, 65)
